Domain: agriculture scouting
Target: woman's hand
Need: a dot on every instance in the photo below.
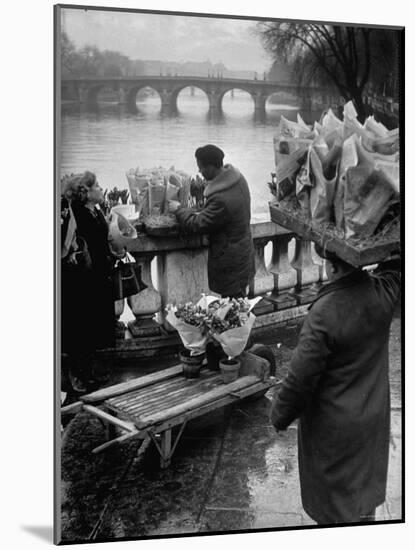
(173, 206)
(117, 253)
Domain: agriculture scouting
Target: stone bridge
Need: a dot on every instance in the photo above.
(86, 90)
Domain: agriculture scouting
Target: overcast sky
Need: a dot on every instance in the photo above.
(168, 37)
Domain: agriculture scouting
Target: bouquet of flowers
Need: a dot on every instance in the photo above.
(227, 320)
(152, 189)
(124, 194)
(190, 321)
(197, 187)
(113, 196)
(230, 322)
(339, 174)
(120, 232)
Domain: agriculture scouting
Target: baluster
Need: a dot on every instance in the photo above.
(145, 304)
(182, 277)
(263, 281)
(285, 276)
(321, 266)
(119, 325)
(307, 271)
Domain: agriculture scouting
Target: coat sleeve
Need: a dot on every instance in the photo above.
(209, 220)
(309, 361)
(387, 276)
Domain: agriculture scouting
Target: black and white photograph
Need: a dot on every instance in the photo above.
(228, 250)
(228, 326)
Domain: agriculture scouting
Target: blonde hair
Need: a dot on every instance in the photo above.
(75, 187)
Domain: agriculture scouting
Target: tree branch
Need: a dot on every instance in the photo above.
(366, 73)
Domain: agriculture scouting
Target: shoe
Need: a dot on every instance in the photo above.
(92, 385)
(76, 383)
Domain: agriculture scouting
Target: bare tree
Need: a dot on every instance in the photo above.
(344, 57)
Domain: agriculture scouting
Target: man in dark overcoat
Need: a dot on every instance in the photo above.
(338, 386)
(226, 218)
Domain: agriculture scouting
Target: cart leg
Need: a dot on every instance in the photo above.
(164, 446)
(165, 456)
(109, 430)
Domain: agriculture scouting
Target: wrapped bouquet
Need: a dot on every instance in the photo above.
(190, 322)
(339, 173)
(120, 232)
(230, 322)
(151, 189)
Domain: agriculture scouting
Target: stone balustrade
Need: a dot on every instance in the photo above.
(288, 275)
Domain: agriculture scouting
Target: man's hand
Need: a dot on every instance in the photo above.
(173, 206)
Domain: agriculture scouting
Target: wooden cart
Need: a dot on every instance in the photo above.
(149, 407)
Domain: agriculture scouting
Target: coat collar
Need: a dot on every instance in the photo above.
(227, 178)
(347, 281)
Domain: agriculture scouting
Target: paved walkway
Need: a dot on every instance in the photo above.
(230, 472)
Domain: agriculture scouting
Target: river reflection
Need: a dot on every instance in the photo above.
(109, 139)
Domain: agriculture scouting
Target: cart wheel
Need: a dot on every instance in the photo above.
(266, 353)
(261, 350)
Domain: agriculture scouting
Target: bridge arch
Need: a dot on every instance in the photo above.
(283, 97)
(223, 92)
(91, 94)
(131, 93)
(174, 94)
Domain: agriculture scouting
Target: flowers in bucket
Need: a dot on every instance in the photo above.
(230, 322)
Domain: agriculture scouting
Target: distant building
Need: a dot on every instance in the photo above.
(140, 67)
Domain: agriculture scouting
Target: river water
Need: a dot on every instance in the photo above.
(110, 139)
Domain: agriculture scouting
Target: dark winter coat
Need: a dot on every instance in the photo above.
(88, 317)
(226, 217)
(338, 386)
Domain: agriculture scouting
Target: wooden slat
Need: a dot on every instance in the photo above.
(162, 405)
(179, 395)
(182, 408)
(128, 426)
(116, 441)
(160, 402)
(149, 391)
(161, 388)
(166, 399)
(143, 393)
(73, 408)
(208, 407)
(131, 385)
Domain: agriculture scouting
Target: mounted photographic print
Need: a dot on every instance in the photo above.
(228, 326)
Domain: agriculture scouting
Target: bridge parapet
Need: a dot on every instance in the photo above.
(287, 277)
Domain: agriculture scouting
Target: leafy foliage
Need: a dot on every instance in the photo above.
(90, 61)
